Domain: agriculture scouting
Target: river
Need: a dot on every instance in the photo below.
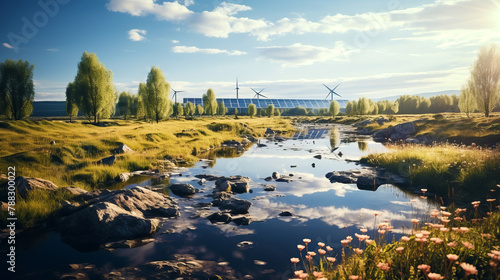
(322, 211)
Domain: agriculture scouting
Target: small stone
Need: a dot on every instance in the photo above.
(258, 262)
(269, 188)
(244, 244)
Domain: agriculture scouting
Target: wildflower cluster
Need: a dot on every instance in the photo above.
(454, 244)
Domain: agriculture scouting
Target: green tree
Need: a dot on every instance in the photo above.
(382, 106)
(277, 112)
(189, 110)
(221, 109)
(16, 89)
(364, 106)
(334, 108)
(94, 88)
(349, 108)
(467, 99)
(210, 102)
(252, 110)
(141, 106)
(71, 101)
(424, 106)
(178, 110)
(134, 100)
(392, 108)
(485, 76)
(157, 100)
(124, 104)
(270, 110)
(199, 110)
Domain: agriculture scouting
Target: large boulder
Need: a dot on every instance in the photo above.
(403, 131)
(219, 217)
(105, 221)
(270, 132)
(395, 133)
(106, 216)
(123, 149)
(236, 184)
(235, 205)
(73, 191)
(183, 190)
(27, 184)
(107, 161)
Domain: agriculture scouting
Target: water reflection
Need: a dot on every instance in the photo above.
(322, 211)
(362, 146)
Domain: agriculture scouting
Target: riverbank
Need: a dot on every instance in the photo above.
(71, 154)
(441, 128)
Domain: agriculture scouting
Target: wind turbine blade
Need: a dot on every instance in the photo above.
(263, 95)
(327, 87)
(336, 87)
(261, 90)
(254, 90)
(337, 94)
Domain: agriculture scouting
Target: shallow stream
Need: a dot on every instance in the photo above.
(322, 211)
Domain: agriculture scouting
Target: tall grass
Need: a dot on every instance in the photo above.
(79, 145)
(453, 171)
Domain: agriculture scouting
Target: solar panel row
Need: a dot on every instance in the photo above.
(231, 103)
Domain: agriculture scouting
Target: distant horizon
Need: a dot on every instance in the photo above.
(449, 92)
(373, 48)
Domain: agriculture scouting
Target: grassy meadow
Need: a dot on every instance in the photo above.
(71, 161)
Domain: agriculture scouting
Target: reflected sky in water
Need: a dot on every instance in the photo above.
(323, 211)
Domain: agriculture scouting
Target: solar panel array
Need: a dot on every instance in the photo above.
(242, 103)
(311, 134)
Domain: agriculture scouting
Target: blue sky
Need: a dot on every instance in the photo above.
(374, 48)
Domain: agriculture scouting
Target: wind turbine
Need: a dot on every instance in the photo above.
(175, 93)
(257, 93)
(237, 88)
(332, 92)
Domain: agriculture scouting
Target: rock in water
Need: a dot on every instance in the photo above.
(27, 184)
(235, 205)
(117, 215)
(123, 177)
(237, 184)
(275, 175)
(123, 149)
(183, 190)
(219, 217)
(269, 188)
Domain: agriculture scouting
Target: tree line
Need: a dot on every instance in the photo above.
(93, 95)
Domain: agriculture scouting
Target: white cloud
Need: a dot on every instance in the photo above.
(136, 34)
(171, 11)
(188, 2)
(7, 45)
(427, 22)
(299, 54)
(193, 49)
(231, 8)
(175, 41)
(52, 50)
